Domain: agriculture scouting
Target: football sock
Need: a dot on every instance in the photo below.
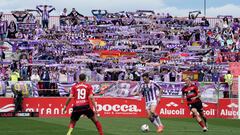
(204, 119)
(158, 120)
(154, 121)
(201, 124)
(70, 131)
(72, 124)
(99, 128)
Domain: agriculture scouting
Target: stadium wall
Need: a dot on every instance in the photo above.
(54, 20)
(120, 107)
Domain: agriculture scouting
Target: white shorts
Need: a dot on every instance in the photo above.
(150, 103)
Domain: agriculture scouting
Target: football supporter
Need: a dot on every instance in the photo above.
(45, 14)
(20, 15)
(192, 94)
(83, 97)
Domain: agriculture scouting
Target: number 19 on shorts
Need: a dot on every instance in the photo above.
(81, 93)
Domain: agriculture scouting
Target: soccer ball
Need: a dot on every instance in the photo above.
(144, 128)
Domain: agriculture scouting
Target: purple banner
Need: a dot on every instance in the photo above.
(209, 92)
(171, 89)
(115, 89)
(125, 89)
(31, 26)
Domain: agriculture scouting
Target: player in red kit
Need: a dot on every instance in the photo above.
(194, 102)
(82, 95)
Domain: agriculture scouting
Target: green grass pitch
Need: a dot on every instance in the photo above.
(114, 126)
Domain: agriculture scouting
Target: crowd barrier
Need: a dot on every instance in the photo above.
(124, 107)
(210, 91)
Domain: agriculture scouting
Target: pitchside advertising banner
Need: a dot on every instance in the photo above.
(120, 107)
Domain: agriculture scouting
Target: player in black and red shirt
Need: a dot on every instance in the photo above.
(194, 102)
(82, 95)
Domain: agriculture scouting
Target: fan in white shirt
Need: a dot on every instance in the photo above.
(35, 77)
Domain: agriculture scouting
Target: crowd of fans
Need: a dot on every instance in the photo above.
(168, 47)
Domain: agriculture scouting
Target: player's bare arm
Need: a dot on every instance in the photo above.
(137, 92)
(93, 102)
(160, 94)
(68, 101)
(183, 96)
